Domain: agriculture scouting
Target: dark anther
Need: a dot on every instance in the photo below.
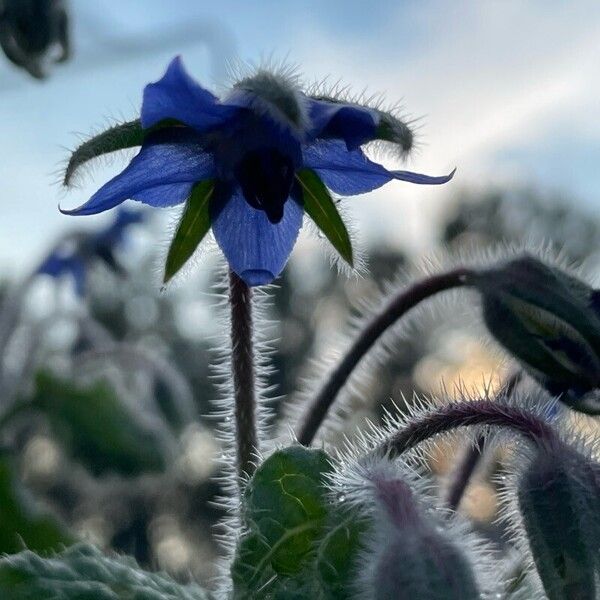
(266, 177)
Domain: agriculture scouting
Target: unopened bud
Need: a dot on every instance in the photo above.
(559, 500)
(546, 319)
(415, 557)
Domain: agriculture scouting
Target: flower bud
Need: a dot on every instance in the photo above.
(414, 555)
(559, 500)
(546, 319)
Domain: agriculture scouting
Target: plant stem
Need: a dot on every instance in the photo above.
(243, 376)
(469, 462)
(463, 414)
(403, 302)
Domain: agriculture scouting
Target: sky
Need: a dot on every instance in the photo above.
(506, 91)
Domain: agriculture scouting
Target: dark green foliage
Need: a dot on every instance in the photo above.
(95, 428)
(21, 523)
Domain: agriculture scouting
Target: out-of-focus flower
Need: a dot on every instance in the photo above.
(73, 256)
(550, 322)
(248, 165)
(31, 29)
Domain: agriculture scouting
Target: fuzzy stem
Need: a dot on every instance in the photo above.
(396, 309)
(470, 461)
(243, 375)
(463, 414)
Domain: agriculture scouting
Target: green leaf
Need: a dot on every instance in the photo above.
(336, 558)
(320, 207)
(285, 509)
(82, 572)
(97, 429)
(21, 523)
(194, 225)
(119, 137)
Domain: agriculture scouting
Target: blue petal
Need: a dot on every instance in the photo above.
(163, 196)
(162, 174)
(355, 125)
(348, 173)
(178, 96)
(256, 249)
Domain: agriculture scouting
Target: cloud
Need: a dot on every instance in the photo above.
(495, 81)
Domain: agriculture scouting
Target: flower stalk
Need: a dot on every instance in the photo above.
(243, 376)
(401, 304)
(465, 414)
(471, 460)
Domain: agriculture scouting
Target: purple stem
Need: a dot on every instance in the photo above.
(463, 414)
(243, 374)
(474, 454)
(397, 308)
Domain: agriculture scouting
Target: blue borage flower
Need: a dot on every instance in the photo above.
(248, 165)
(72, 257)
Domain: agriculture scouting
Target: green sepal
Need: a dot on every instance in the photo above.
(82, 572)
(320, 207)
(119, 137)
(193, 226)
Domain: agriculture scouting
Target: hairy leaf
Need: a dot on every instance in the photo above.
(297, 542)
(82, 572)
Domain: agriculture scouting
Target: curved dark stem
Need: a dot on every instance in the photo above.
(470, 461)
(463, 414)
(463, 473)
(243, 375)
(397, 308)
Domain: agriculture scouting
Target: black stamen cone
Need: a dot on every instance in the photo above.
(266, 177)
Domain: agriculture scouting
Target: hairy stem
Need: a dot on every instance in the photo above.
(403, 302)
(470, 461)
(463, 414)
(243, 375)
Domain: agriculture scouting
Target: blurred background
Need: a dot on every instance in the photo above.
(105, 380)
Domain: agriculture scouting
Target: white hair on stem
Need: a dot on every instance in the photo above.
(230, 528)
(386, 346)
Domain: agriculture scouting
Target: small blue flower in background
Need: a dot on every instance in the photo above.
(255, 160)
(73, 256)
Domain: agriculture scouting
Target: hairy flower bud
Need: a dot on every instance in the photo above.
(547, 320)
(559, 500)
(414, 555)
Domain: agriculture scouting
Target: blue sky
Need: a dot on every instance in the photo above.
(509, 92)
